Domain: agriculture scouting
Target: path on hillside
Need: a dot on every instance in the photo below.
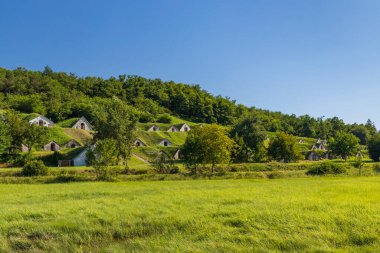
(141, 158)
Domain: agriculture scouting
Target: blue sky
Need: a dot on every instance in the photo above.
(320, 57)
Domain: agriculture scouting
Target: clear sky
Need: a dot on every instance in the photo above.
(320, 57)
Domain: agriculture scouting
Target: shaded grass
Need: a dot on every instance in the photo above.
(308, 214)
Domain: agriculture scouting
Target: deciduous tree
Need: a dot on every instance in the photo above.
(209, 144)
(284, 148)
(344, 144)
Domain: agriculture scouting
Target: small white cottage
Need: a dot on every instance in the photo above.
(52, 146)
(184, 128)
(139, 143)
(165, 142)
(153, 128)
(42, 121)
(173, 129)
(83, 124)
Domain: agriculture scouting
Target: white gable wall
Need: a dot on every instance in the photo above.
(40, 121)
(82, 124)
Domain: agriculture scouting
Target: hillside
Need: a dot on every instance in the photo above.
(50, 93)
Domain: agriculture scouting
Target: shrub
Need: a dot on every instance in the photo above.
(164, 118)
(174, 170)
(376, 168)
(326, 168)
(34, 168)
(146, 117)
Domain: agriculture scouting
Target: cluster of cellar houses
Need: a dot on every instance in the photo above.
(319, 150)
(83, 124)
(52, 145)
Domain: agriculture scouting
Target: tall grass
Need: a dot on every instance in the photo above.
(305, 214)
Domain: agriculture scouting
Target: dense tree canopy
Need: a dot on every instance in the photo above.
(284, 148)
(344, 144)
(374, 147)
(116, 121)
(209, 144)
(249, 133)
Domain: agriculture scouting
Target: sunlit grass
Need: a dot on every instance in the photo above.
(305, 214)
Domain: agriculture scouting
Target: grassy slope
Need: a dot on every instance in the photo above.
(58, 135)
(67, 123)
(82, 136)
(308, 214)
(152, 139)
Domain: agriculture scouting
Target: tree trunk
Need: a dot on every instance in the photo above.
(213, 168)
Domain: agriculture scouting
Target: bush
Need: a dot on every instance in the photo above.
(164, 118)
(34, 168)
(174, 170)
(146, 117)
(376, 168)
(326, 168)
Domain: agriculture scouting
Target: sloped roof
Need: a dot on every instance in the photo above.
(73, 141)
(43, 118)
(83, 119)
(51, 142)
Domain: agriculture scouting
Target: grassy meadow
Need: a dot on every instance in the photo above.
(314, 214)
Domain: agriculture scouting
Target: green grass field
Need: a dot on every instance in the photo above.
(316, 214)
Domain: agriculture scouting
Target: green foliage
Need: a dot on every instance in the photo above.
(358, 164)
(115, 120)
(165, 118)
(374, 147)
(34, 168)
(163, 164)
(27, 104)
(209, 144)
(361, 132)
(284, 148)
(376, 168)
(325, 168)
(35, 135)
(18, 128)
(52, 92)
(5, 136)
(344, 144)
(104, 154)
(250, 135)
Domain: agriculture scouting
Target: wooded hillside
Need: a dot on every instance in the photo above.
(62, 96)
